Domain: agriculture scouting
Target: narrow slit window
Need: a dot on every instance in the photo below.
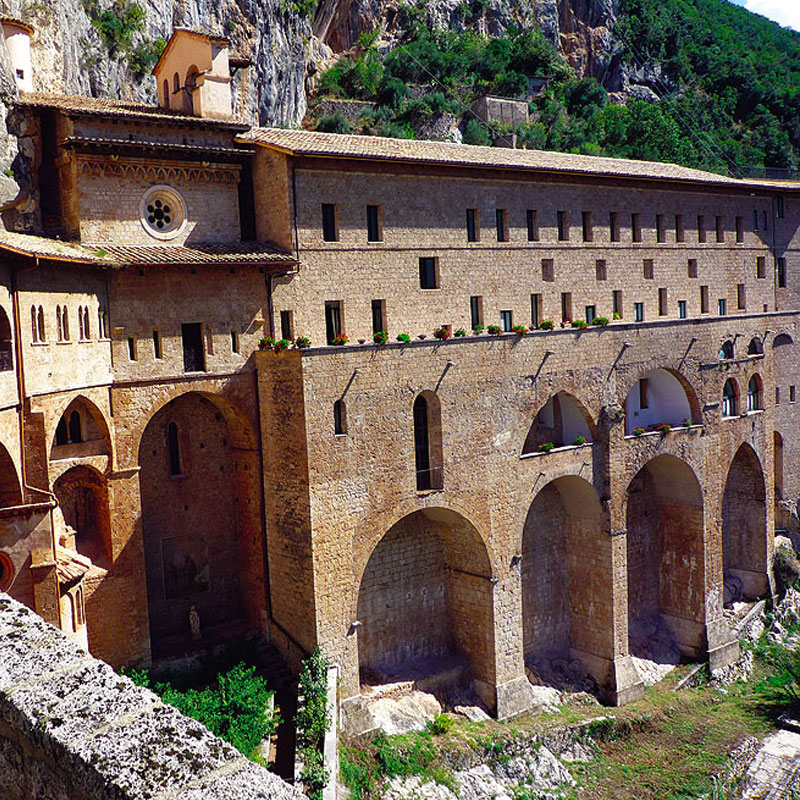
(662, 302)
(722, 306)
(236, 346)
(643, 401)
(613, 226)
(691, 267)
(780, 268)
(600, 269)
(132, 348)
(647, 268)
(158, 353)
(339, 418)
(636, 227)
(739, 230)
(174, 449)
(506, 321)
(476, 311)
(333, 319)
(532, 219)
(741, 298)
(473, 225)
(616, 303)
(704, 299)
(330, 228)
(587, 227)
(501, 221)
(536, 310)
(761, 267)
(566, 306)
(378, 316)
(661, 228)
(548, 270)
(287, 325)
(719, 229)
(374, 224)
(591, 314)
(562, 220)
(680, 232)
(701, 229)
(638, 312)
(682, 309)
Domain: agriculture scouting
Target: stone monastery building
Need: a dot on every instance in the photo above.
(392, 503)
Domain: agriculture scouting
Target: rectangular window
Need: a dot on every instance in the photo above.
(779, 207)
(681, 309)
(506, 321)
(692, 268)
(536, 310)
(704, 299)
(643, 393)
(636, 227)
(473, 225)
(378, 316)
(761, 267)
(287, 325)
(741, 300)
(333, 319)
(722, 306)
(588, 228)
(777, 395)
(501, 222)
(638, 312)
(719, 229)
(193, 353)
(662, 302)
(647, 268)
(764, 220)
(680, 231)
(600, 269)
(661, 229)
(739, 230)
(563, 226)
(476, 311)
(616, 302)
(780, 267)
(236, 346)
(755, 219)
(548, 270)
(591, 313)
(330, 229)
(566, 305)
(429, 273)
(792, 394)
(701, 228)
(532, 219)
(157, 349)
(374, 224)
(613, 226)
(132, 348)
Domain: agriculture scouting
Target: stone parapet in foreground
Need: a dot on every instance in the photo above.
(73, 729)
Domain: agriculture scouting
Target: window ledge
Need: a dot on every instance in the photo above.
(39, 344)
(563, 449)
(673, 429)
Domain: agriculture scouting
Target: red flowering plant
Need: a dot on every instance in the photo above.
(340, 339)
(442, 333)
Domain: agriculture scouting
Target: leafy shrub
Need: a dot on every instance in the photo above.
(600, 321)
(440, 724)
(477, 328)
(266, 343)
(546, 325)
(494, 330)
(520, 330)
(546, 447)
(313, 722)
(380, 337)
(334, 123)
(117, 24)
(403, 337)
(579, 323)
(579, 440)
(442, 333)
(459, 333)
(282, 344)
(664, 427)
(475, 132)
(302, 342)
(782, 688)
(686, 423)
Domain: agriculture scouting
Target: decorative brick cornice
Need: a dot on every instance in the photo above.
(138, 169)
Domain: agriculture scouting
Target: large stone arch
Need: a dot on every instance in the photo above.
(201, 522)
(744, 528)
(94, 436)
(567, 609)
(560, 420)
(10, 490)
(661, 395)
(425, 603)
(82, 494)
(665, 561)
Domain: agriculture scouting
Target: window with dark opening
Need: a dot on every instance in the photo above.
(339, 418)
(174, 450)
(701, 228)
(722, 306)
(647, 268)
(287, 325)
(754, 394)
(532, 219)
(719, 229)
(661, 229)
(741, 298)
(638, 312)
(613, 226)
(506, 321)
(193, 354)
(6, 352)
(374, 228)
(333, 319)
(682, 309)
(473, 232)
(600, 269)
(616, 302)
(780, 267)
(330, 230)
(643, 403)
(680, 232)
(422, 455)
(779, 207)
(428, 273)
(586, 226)
(536, 310)
(739, 230)
(591, 313)
(132, 348)
(704, 299)
(501, 222)
(548, 270)
(761, 267)
(62, 432)
(476, 311)
(378, 316)
(636, 227)
(75, 434)
(566, 306)
(729, 400)
(691, 268)
(562, 219)
(157, 349)
(662, 301)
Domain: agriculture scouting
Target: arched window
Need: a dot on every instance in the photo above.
(62, 434)
(726, 351)
(75, 431)
(428, 442)
(6, 357)
(339, 418)
(754, 394)
(65, 322)
(755, 348)
(176, 82)
(42, 329)
(59, 324)
(729, 399)
(188, 89)
(86, 330)
(80, 325)
(34, 326)
(174, 447)
(166, 93)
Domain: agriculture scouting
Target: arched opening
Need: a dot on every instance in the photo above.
(730, 398)
(744, 528)
(340, 418)
(778, 457)
(176, 83)
(755, 348)
(81, 431)
(201, 525)
(165, 92)
(82, 494)
(666, 566)
(562, 420)
(42, 329)
(10, 491)
(566, 601)
(59, 325)
(65, 323)
(6, 572)
(659, 397)
(781, 340)
(34, 327)
(6, 344)
(425, 602)
(192, 75)
(428, 442)
(754, 398)
(726, 351)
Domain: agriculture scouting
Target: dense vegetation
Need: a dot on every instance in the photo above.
(727, 82)
(313, 722)
(235, 707)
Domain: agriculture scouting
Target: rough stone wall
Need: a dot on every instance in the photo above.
(80, 731)
(425, 216)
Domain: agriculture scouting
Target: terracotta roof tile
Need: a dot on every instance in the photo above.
(114, 255)
(70, 565)
(376, 148)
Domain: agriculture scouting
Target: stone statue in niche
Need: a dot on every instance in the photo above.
(194, 622)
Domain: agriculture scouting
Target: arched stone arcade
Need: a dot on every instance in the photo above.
(201, 522)
(659, 396)
(425, 602)
(665, 561)
(561, 420)
(744, 528)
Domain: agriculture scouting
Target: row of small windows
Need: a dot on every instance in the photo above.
(193, 347)
(39, 328)
(665, 226)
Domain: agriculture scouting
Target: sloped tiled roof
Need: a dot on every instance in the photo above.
(114, 255)
(109, 107)
(71, 566)
(377, 148)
